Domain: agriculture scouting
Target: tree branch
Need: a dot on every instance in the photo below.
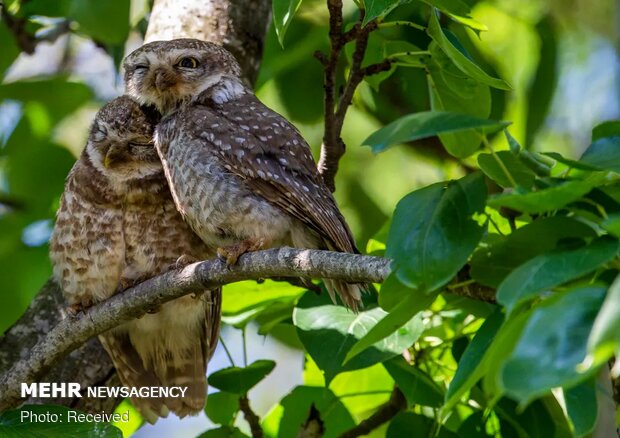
(333, 147)
(384, 413)
(250, 417)
(26, 41)
(70, 333)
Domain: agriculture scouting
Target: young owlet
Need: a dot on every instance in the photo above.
(117, 225)
(241, 175)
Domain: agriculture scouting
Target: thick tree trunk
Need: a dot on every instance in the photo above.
(240, 25)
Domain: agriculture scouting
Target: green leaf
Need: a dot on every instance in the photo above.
(406, 422)
(611, 128)
(433, 233)
(452, 90)
(553, 343)
(94, 18)
(455, 7)
(473, 365)
(221, 407)
(416, 385)
(490, 265)
(283, 13)
(405, 312)
(240, 380)
(543, 86)
(612, 224)
(244, 296)
(428, 124)
(328, 332)
(57, 95)
(605, 337)
(379, 8)
(548, 199)
(60, 421)
(506, 169)
(604, 153)
(570, 163)
(546, 271)
(296, 407)
(582, 407)
(223, 432)
(537, 420)
(9, 51)
(460, 60)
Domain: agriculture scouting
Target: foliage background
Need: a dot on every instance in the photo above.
(561, 58)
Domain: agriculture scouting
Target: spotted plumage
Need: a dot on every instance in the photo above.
(241, 174)
(117, 225)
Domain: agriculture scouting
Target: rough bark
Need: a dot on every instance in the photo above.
(241, 26)
(71, 333)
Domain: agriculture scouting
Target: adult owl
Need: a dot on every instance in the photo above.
(117, 225)
(241, 175)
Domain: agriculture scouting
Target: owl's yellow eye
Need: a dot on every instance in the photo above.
(188, 63)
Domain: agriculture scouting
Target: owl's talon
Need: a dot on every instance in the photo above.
(230, 254)
(183, 261)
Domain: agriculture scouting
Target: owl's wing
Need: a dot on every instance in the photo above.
(213, 316)
(268, 152)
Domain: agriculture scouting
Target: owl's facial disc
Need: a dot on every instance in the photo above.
(168, 74)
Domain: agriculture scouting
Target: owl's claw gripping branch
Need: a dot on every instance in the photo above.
(230, 254)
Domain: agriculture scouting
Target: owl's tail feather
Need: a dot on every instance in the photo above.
(132, 373)
(187, 371)
(349, 293)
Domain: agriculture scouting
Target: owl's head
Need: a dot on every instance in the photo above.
(120, 144)
(168, 74)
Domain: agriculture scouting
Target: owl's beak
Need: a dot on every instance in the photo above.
(163, 80)
(114, 155)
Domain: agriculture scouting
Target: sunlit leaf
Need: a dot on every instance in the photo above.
(328, 332)
(403, 317)
(283, 13)
(461, 61)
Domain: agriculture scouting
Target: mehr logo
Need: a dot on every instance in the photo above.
(46, 389)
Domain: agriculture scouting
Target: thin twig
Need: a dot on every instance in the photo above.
(333, 147)
(26, 41)
(250, 417)
(384, 413)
